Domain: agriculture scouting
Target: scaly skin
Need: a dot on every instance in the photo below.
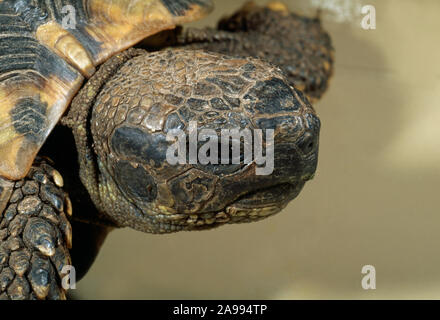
(35, 236)
(120, 119)
(297, 44)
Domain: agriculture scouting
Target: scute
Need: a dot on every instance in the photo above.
(42, 64)
(112, 26)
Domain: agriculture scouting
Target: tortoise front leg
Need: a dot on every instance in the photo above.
(35, 235)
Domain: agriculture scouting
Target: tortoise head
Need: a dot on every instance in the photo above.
(188, 140)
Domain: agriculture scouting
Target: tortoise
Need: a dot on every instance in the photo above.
(92, 102)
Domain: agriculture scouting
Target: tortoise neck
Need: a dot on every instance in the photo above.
(78, 120)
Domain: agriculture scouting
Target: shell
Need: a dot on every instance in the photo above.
(48, 48)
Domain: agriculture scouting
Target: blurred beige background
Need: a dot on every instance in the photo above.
(375, 198)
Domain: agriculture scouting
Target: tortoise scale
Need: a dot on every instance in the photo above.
(97, 102)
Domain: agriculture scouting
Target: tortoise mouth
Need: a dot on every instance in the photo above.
(256, 205)
(275, 195)
(252, 206)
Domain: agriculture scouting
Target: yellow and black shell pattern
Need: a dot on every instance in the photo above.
(48, 48)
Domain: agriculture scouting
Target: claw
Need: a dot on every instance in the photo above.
(39, 234)
(278, 6)
(68, 206)
(57, 178)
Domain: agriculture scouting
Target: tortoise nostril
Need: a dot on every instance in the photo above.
(308, 143)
